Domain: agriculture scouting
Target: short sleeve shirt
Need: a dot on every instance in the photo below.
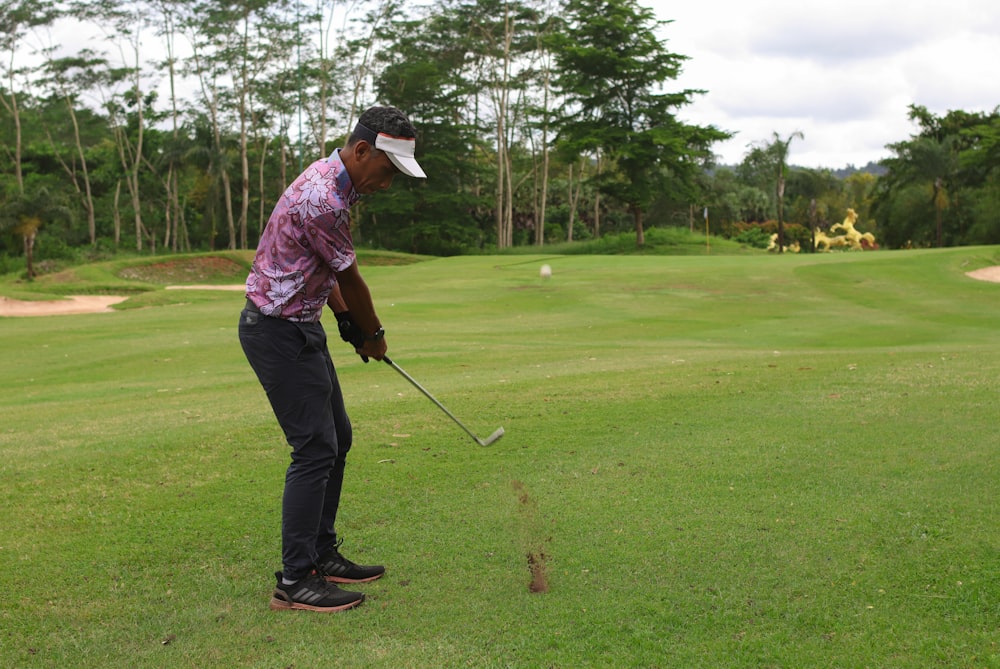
(306, 239)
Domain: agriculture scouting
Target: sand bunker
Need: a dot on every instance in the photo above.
(75, 304)
(986, 274)
(81, 304)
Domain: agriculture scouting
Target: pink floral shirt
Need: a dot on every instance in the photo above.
(306, 240)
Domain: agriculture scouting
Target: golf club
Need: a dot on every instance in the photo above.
(482, 442)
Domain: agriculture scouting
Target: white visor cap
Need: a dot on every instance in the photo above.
(400, 152)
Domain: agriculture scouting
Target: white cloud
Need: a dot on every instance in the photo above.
(843, 73)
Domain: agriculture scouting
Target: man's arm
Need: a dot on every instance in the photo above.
(336, 300)
(353, 295)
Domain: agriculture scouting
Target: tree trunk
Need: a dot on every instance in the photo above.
(571, 201)
(230, 223)
(29, 253)
(88, 198)
(812, 225)
(244, 94)
(597, 201)
(117, 216)
(501, 163)
(937, 209)
(137, 157)
(504, 198)
(261, 213)
(640, 235)
(12, 108)
(284, 165)
(540, 224)
(173, 180)
(168, 218)
(781, 211)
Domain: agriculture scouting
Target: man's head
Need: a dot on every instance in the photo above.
(380, 147)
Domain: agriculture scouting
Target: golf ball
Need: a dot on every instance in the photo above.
(545, 271)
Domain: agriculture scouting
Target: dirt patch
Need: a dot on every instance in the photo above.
(539, 576)
(234, 287)
(986, 274)
(74, 304)
(537, 558)
(181, 270)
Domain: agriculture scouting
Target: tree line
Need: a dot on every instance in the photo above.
(177, 123)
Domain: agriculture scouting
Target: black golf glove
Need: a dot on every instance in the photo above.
(349, 331)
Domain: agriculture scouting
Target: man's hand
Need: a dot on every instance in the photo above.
(372, 348)
(354, 296)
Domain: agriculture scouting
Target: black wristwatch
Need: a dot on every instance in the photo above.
(379, 334)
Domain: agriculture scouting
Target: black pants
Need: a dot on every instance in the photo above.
(293, 364)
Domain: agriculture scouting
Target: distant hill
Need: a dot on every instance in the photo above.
(842, 173)
(870, 168)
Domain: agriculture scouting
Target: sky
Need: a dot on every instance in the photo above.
(841, 72)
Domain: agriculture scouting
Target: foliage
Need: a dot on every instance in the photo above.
(754, 236)
(537, 123)
(939, 179)
(612, 67)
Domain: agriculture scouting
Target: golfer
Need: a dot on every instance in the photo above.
(305, 260)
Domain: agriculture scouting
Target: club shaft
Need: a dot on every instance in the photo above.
(427, 394)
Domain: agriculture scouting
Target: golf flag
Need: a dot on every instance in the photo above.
(708, 244)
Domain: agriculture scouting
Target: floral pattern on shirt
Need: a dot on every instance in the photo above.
(306, 240)
(310, 194)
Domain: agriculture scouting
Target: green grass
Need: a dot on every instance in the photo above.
(672, 240)
(742, 461)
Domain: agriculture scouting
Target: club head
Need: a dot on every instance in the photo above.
(492, 438)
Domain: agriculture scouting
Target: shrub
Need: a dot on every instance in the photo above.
(754, 237)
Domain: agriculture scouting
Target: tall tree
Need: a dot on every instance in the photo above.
(929, 178)
(68, 78)
(17, 17)
(541, 117)
(127, 91)
(24, 215)
(612, 66)
(424, 68)
(780, 150)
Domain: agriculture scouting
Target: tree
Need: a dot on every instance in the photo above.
(125, 91)
(611, 66)
(69, 77)
(767, 163)
(16, 18)
(936, 175)
(781, 154)
(423, 67)
(25, 213)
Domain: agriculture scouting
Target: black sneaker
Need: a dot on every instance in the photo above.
(338, 569)
(313, 593)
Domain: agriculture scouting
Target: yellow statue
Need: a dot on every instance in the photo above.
(794, 247)
(851, 239)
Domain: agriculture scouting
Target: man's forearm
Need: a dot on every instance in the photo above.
(336, 300)
(357, 299)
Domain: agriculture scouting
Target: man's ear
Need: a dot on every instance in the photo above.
(361, 149)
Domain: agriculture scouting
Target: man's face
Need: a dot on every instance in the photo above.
(375, 171)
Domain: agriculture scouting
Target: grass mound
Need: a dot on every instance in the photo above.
(200, 269)
(143, 278)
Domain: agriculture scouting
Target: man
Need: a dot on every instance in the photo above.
(305, 260)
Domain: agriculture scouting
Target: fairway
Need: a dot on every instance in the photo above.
(734, 461)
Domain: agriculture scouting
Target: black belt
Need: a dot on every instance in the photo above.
(252, 307)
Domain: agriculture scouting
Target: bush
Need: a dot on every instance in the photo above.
(752, 233)
(754, 237)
